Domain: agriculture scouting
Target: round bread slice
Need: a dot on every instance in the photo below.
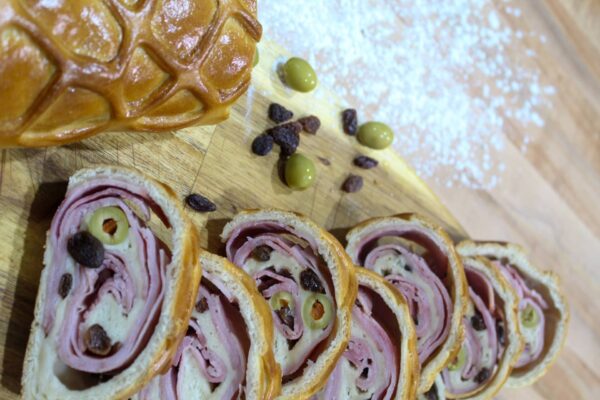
(419, 259)
(226, 353)
(493, 341)
(309, 282)
(539, 292)
(103, 331)
(381, 360)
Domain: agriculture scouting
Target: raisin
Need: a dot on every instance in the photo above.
(262, 145)
(279, 114)
(350, 121)
(311, 282)
(432, 393)
(287, 137)
(96, 340)
(365, 162)
(199, 203)
(64, 287)
(408, 268)
(262, 253)
(483, 375)
(286, 316)
(477, 322)
(86, 249)
(202, 305)
(310, 124)
(500, 332)
(352, 184)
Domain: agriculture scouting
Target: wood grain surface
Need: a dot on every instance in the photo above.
(547, 199)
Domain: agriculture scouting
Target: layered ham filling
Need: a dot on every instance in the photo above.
(531, 314)
(483, 346)
(211, 360)
(418, 275)
(97, 320)
(368, 368)
(295, 281)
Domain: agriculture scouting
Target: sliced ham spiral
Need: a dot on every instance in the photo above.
(129, 284)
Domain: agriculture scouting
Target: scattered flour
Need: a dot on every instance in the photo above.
(439, 72)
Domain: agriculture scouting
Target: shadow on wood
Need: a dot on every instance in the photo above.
(45, 202)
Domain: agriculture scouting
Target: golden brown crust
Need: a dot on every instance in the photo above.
(409, 364)
(549, 282)
(115, 67)
(458, 291)
(185, 287)
(345, 289)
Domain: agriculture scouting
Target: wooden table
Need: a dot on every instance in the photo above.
(549, 198)
(546, 200)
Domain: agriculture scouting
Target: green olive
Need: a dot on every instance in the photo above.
(256, 58)
(317, 311)
(529, 317)
(282, 300)
(109, 225)
(375, 135)
(458, 361)
(299, 75)
(300, 172)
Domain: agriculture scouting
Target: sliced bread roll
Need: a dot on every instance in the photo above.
(543, 312)
(226, 353)
(418, 258)
(117, 290)
(493, 341)
(309, 283)
(381, 361)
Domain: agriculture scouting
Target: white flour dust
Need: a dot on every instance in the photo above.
(439, 72)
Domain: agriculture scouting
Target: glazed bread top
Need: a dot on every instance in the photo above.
(120, 64)
(121, 270)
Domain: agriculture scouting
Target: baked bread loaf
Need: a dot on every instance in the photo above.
(493, 342)
(418, 258)
(543, 312)
(309, 283)
(381, 361)
(119, 282)
(71, 69)
(226, 353)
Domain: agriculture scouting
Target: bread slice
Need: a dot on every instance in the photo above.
(45, 374)
(313, 375)
(547, 284)
(391, 312)
(261, 375)
(513, 345)
(455, 282)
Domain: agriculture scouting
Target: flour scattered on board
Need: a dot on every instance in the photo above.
(441, 73)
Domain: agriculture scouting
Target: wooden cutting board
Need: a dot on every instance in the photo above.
(214, 161)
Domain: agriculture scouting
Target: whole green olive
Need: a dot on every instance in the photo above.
(299, 75)
(317, 311)
(256, 58)
(458, 361)
(109, 225)
(529, 317)
(375, 135)
(300, 172)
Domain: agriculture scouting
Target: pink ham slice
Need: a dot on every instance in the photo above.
(114, 278)
(239, 247)
(360, 353)
(527, 297)
(482, 295)
(213, 369)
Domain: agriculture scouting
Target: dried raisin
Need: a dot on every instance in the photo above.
(199, 203)
(310, 124)
(262, 145)
(365, 162)
(311, 282)
(86, 249)
(352, 184)
(287, 136)
(350, 121)
(96, 340)
(279, 114)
